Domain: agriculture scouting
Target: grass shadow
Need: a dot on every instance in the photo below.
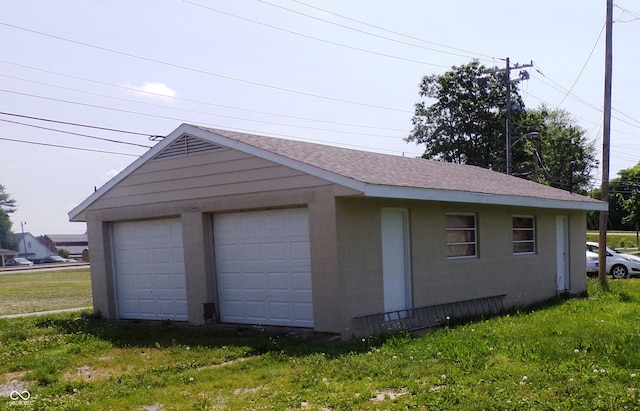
(258, 340)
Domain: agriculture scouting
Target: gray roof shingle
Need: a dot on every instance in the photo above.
(389, 170)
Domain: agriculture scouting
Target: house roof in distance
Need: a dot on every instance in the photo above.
(67, 238)
(375, 174)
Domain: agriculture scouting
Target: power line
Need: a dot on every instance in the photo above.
(487, 57)
(312, 37)
(206, 124)
(67, 147)
(209, 73)
(195, 101)
(200, 112)
(74, 124)
(73, 133)
(583, 67)
(366, 32)
(545, 80)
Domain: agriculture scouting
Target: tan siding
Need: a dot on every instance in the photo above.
(216, 174)
(193, 169)
(202, 181)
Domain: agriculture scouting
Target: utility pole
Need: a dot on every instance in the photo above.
(524, 75)
(507, 133)
(24, 239)
(606, 138)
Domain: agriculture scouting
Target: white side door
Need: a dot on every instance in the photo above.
(396, 266)
(562, 241)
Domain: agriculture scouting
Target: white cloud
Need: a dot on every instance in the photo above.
(154, 88)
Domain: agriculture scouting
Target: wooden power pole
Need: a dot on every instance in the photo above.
(606, 138)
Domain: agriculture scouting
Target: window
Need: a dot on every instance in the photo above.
(461, 235)
(524, 235)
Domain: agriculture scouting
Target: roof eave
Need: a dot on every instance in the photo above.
(412, 193)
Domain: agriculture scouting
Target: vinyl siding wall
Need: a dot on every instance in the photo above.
(222, 173)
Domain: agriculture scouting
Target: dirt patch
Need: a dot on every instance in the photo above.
(392, 395)
(12, 381)
(240, 391)
(86, 373)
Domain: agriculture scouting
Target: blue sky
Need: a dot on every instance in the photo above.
(337, 72)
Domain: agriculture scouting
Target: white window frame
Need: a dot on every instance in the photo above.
(531, 229)
(473, 229)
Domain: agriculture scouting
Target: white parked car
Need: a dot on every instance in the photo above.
(619, 265)
(592, 264)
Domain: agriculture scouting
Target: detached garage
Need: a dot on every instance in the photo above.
(224, 227)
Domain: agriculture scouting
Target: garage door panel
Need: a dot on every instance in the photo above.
(301, 281)
(277, 252)
(261, 261)
(149, 270)
(279, 281)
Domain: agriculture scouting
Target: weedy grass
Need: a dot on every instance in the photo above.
(575, 354)
(27, 292)
(616, 239)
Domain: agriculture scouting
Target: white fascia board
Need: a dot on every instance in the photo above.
(450, 196)
(77, 210)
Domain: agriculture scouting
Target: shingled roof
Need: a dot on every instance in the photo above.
(436, 179)
(373, 174)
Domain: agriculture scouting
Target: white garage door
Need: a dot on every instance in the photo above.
(263, 267)
(149, 270)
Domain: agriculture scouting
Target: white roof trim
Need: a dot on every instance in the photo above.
(370, 190)
(412, 193)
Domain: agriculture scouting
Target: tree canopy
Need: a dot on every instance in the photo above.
(7, 206)
(462, 117)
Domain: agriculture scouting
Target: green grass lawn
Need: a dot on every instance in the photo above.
(578, 354)
(616, 239)
(26, 292)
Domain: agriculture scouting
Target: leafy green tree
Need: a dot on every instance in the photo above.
(461, 119)
(616, 212)
(462, 116)
(64, 253)
(628, 190)
(560, 155)
(7, 206)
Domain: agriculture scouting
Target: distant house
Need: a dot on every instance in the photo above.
(30, 247)
(6, 255)
(76, 244)
(214, 225)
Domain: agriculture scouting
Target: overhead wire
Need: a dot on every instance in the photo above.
(583, 67)
(365, 32)
(210, 124)
(334, 43)
(67, 147)
(150, 93)
(485, 56)
(200, 71)
(74, 124)
(74, 133)
(556, 86)
(201, 112)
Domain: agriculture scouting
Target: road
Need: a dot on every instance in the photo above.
(41, 267)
